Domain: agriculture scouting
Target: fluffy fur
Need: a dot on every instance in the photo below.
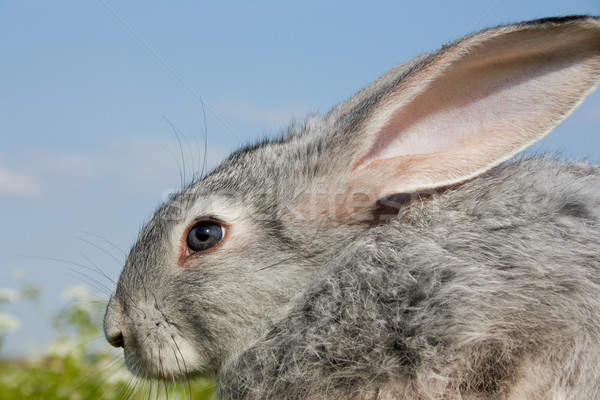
(362, 261)
(489, 291)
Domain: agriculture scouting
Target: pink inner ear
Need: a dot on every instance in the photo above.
(472, 106)
(478, 111)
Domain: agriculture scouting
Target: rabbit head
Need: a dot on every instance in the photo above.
(228, 255)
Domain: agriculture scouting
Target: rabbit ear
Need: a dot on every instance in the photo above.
(472, 105)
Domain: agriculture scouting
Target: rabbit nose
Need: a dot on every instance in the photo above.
(116, 339)
(112, 318)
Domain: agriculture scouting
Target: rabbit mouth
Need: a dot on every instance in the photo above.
(161, 353)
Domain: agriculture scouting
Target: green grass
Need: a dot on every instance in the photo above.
(72, 369)
(70, 378)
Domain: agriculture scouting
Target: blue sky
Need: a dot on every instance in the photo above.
(88, 90)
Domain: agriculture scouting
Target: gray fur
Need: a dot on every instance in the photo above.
(487, 289)
(453, 297)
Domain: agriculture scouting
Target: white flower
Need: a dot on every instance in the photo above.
(8, 323)
(9, 295)
(76, 293)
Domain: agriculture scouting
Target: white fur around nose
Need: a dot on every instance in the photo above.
(163, 351)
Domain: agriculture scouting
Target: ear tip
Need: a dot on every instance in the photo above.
(569, 21)
(562, 20)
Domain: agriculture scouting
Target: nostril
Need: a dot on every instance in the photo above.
(116, 340)
(113, 322)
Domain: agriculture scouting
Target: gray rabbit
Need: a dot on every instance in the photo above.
(389, 250)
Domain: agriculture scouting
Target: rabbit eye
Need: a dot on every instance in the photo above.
(204, 235)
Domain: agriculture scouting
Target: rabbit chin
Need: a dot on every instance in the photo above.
(163, 354)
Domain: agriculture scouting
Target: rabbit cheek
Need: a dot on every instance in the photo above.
(330, 205)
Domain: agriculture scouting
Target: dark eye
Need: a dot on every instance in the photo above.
(204, 235)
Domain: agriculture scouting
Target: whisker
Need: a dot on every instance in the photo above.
(100, 385)
(197, 173)
(181, 178)
(128, 390)
(86, 279)
(184, 366)
(133, 388)
(98, 270)
(204, 160)
(80, 276)
(102, 249)
(116, 383)
(177, 132)
(68, 262)
(111, 291)
(106, 241)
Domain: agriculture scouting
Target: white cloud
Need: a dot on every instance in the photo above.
(274, 117)
(67, 165)
(15, 184)
(34, 172)
(130, 163)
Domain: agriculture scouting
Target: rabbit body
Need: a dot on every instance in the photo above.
(487, 291)
(389, 250)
